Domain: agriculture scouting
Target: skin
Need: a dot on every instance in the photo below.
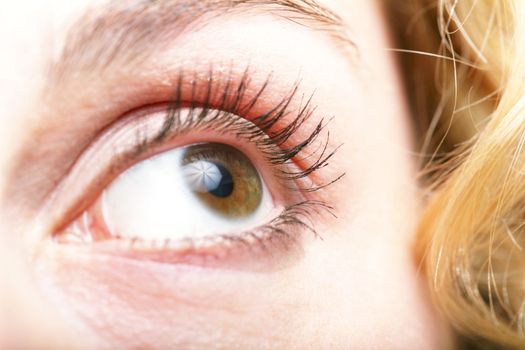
(356, 288)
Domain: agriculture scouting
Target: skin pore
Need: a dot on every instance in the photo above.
(74, 69)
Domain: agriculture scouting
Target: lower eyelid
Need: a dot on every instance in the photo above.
(264, 253)
(262, 249)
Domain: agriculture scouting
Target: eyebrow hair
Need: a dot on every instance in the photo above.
(126, 30)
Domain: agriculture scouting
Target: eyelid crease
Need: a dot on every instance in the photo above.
(124, 32)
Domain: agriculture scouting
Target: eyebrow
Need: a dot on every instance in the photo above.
(127, 30)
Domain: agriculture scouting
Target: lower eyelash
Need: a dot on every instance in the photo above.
(264, 241)
(298, 215)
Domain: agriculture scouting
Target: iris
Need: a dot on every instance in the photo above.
(223, 178)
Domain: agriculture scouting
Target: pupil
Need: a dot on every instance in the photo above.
(225, 186)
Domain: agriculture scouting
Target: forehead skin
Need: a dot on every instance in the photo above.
(359, 286)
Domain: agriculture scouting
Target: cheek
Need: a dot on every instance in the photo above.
(376, 293)
(365, 292)
(128, 304)
(345, 293)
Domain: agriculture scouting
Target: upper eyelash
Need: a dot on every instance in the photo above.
(269, 141)
(261, 131)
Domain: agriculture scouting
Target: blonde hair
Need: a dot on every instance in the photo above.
(464, 63)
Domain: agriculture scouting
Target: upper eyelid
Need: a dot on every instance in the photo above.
(273, 122)
(53, 151)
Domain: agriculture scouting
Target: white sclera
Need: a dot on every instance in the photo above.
(153, 200)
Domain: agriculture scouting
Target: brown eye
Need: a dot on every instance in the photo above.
(223, 178)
